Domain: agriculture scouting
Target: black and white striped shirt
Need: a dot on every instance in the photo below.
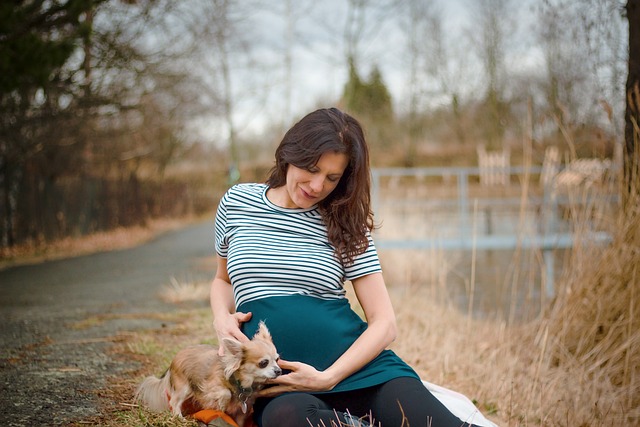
(274, 251)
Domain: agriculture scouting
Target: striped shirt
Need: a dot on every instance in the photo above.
(275, 251)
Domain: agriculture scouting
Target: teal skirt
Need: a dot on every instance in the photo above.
(317, 332)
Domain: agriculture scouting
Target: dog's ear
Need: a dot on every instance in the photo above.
(232, 357)
(263, 333)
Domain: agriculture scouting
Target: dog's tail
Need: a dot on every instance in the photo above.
(153, 392)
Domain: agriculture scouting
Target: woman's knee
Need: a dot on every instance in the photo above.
(291, 410)
(415, 405)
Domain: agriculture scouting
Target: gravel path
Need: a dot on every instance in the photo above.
(51, 372)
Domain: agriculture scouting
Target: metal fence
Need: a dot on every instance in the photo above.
(448, 208)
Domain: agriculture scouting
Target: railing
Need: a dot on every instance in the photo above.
(461, 214)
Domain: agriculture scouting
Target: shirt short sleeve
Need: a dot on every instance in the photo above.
(221, 231)
(365, 263)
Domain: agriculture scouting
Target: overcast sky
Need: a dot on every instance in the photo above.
(319, 71)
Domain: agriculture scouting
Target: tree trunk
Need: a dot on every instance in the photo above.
(632, 114)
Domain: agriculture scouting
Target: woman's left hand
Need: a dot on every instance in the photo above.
(302, 377)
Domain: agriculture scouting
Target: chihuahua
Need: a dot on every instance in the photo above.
(198, 378)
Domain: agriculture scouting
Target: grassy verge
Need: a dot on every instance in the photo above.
(153, 351)
(576, 364)
(120, 238)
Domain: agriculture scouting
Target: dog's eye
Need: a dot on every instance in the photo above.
(263, 364)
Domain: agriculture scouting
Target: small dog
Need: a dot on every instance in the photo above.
(198, 378)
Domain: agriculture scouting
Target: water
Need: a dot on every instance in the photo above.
(438, 248)
(490, 250)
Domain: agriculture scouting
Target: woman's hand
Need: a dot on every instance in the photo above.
(302, 377)
(226, 320)
(229, 327)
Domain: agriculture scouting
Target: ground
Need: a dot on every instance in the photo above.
(68, 326)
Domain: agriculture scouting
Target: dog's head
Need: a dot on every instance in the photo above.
(253, 362)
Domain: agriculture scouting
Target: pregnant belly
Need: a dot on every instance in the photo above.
(306, 329)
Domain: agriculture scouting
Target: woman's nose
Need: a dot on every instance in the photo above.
(317, 183)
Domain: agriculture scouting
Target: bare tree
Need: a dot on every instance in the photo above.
(290, 31)
(495, 26)
(108, 104)
(561, 81)
(222, 33)
(632, 112)
(284, 36)
(421, 25)
(583, 46)
(228, 63)
(352, 32)
(606, 43)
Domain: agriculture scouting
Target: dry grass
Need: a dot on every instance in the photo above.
(177, 292)
(592, 331)
(576, 364)
(119, 238)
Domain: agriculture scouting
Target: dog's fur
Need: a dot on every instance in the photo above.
(198, 378)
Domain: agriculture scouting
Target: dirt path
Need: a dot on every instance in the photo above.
(55, 359)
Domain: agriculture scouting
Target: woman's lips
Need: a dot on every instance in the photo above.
(307, 195)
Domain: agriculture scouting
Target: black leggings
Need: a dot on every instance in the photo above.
(401, 402)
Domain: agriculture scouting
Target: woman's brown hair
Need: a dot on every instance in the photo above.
(347, 210)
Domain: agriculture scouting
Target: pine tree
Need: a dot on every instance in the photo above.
(369, 98)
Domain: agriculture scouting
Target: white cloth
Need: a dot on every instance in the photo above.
(459, 405)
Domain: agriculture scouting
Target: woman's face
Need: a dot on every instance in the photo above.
(307, 187)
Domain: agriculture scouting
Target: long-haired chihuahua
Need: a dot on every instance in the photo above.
(198, 378)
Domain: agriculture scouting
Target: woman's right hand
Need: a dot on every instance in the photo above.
(226, 320)
(229, 327)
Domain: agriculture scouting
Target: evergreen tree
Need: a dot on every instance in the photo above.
(378, 97)
(354, 96)
(369, 98)
(370, 101)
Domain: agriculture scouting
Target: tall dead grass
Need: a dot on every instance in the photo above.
(593, 326)
(575, 364)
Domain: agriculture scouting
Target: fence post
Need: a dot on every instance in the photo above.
(375, 191)
(549, 264)
(463, 200)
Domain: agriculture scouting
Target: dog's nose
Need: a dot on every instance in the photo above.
(277, 371)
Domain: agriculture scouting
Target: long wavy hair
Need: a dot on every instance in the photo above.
(346, 211)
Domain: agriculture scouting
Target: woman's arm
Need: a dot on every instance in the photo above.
(226, 320)
(374, 299)
(381, 331)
